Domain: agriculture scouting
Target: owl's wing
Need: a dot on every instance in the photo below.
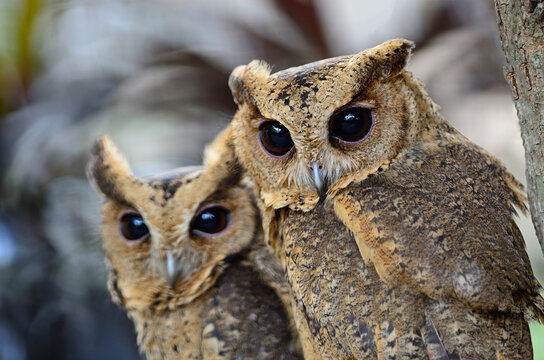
(440, 220)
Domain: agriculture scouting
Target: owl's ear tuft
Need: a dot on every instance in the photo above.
(236, 84)
(108, 168)
(244, 76)
(387, 59)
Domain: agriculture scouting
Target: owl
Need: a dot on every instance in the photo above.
(397, 233)
(187, 261)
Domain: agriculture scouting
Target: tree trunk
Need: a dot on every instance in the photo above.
(521, 26)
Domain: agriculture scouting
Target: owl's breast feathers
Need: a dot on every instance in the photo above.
(246, 318)
(440, 220)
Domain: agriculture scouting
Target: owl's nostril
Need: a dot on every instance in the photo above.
(314, 165)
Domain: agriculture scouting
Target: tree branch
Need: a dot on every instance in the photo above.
(521, 26)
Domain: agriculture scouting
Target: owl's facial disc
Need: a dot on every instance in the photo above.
(209, 221)
(348, 126)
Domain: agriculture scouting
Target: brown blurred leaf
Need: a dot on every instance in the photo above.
(305, 16)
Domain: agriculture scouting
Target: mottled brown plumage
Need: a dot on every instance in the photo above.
(400, 243)
(195, 288)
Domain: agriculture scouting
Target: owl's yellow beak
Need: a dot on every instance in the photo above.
(319, 182)
(171, 268)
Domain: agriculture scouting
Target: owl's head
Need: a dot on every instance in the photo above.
(306, 132)
(167, 238)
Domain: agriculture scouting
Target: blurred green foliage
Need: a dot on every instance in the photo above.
(18, 60)
(537, 337)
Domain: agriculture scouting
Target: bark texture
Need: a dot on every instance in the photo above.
(521, 26)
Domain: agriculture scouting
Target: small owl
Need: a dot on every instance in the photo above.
(396, 232)
(187, 261)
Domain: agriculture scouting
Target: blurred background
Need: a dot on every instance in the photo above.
(153, 74)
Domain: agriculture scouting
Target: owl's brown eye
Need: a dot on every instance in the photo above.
(211, 220)
(132, 227)
(351, 124)
(275, 138)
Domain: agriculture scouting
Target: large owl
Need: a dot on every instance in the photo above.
(187, 261)
(396, 232)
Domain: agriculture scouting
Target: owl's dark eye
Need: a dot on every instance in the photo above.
(210, 220)
(275, 138)
(351, 124)
(132, 227)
